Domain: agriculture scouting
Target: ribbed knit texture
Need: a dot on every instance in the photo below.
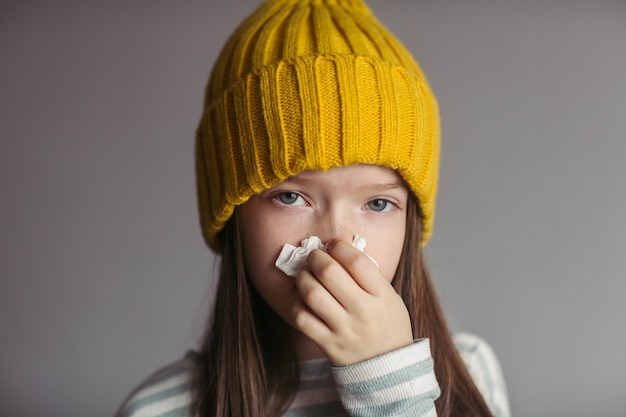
(312, 84)
(381, 386)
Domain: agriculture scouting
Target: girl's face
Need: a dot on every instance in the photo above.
(365, 200)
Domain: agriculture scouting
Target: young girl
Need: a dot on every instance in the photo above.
(317, 153)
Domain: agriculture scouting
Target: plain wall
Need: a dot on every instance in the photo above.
(103, 273)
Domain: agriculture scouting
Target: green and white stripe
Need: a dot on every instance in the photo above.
(399, 383)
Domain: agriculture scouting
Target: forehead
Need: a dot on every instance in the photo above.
(357, 176)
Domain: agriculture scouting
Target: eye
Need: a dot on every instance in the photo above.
(380, 205)
(290, 198)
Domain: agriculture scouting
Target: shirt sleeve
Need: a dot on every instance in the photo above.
(484, 368)
(399, 383)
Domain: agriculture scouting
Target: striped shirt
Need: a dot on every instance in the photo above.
(399, 383)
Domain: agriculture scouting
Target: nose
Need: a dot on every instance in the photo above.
(337, 224)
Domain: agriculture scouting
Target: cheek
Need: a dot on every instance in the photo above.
(390, 264)
(388, 248)
(262, 242)
(258, 254)
(263, 275)
(256, 233)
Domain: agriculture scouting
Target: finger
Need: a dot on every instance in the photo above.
(318, 299)
(365, 273)
(309, 323)
(330, 274)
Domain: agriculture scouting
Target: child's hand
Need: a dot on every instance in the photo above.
(349, 308)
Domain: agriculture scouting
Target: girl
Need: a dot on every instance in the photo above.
(320, 129)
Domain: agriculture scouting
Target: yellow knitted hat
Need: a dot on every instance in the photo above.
(312, 84)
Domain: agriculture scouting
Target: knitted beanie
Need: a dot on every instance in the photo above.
(311, 85)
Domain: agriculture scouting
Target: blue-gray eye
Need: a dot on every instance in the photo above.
(288, 197)
(379, 204)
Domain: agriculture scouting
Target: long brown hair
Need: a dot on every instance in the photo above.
(248, 366)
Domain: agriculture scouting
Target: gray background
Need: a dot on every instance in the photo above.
(104, 276)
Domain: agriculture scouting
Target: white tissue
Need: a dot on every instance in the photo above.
(292, 259)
